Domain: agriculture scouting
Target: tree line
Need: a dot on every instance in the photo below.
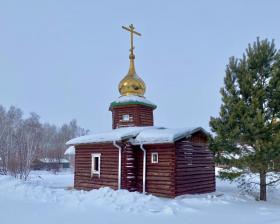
(22, 140)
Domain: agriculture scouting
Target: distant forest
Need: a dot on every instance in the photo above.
(22, 140)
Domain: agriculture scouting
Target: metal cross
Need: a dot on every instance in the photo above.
(131, 30)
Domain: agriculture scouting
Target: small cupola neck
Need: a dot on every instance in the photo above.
(131, 70)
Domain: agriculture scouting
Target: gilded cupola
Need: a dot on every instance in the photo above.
(132, 84)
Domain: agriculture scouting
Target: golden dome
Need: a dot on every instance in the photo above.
(132, 84)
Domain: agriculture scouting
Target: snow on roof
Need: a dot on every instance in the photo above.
(118, 134)
(132, 99)
(138, 135)
(49, 160)
(70, 151)
(164, 135)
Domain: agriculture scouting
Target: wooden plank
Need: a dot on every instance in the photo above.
(195, 167)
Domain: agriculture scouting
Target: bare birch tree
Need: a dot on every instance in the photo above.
(24, 140)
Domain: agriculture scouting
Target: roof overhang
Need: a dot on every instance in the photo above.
(132, 100)
(138, 135)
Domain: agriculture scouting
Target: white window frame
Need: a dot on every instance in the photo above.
(93, 156)
(152, 157)
(126, 117)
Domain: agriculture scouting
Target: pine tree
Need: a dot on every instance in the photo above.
(247, 131)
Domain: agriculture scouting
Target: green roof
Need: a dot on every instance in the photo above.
(132, 99)
(116, 103)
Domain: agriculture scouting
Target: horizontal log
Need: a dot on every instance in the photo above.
(159, 178)
(194, 176)
(195, 184)
(191, 173)
(159, 173)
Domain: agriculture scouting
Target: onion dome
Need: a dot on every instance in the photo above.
(132, 84)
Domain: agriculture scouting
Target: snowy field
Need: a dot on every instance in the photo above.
(45, 198)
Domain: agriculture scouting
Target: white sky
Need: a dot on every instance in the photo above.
(64, 59)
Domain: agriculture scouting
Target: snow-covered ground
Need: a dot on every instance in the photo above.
(46, 198)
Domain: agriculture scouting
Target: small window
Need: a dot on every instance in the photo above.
(154, 157)
(95, 163)
(125, 117)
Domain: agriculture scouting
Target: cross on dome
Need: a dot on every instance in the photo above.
(132, 31)
(132, 84)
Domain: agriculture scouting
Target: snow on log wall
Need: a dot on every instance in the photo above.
(195, 169)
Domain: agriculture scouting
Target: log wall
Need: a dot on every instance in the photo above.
(129, 167)
(108, 167)
(184, 167)
(140, 115)
(199, 138)
(159, 176)
(195, 169)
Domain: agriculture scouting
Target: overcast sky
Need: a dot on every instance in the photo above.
(64, 59)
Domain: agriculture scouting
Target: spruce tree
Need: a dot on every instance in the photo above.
(247, 131)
